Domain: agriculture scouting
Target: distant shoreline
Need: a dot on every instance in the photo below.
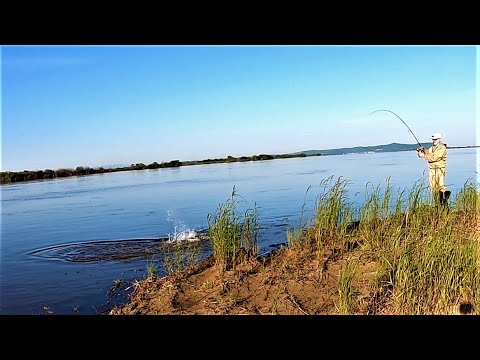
(9, 177)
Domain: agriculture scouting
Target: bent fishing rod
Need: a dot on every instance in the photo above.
(418, 142)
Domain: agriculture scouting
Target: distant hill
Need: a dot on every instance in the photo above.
(364, 149)
(114, 166)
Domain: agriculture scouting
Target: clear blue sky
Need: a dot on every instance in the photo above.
(69, 106)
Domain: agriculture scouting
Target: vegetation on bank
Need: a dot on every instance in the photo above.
(407, 254)
(7, 177)
(233, 237)
(426, 255)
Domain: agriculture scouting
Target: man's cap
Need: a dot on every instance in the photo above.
(436, 136)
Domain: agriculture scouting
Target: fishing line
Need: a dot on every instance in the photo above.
(418, 142)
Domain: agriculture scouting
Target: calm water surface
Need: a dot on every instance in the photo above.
(97, 210)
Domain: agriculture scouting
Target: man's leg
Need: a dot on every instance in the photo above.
(441, 180)
(432, 181)
(442, 187)
(434, 178)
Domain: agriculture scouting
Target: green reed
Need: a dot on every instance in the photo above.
(297, 237)
(231, 234)
(151, 268)
(178, 257)
(346, 292)
(430, 263)
(427, 255)
(174, 256)
(332, 214)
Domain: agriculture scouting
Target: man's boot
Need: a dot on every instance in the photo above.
(447, 194)
(444, 195)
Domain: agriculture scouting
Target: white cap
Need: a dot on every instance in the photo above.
(436, 136)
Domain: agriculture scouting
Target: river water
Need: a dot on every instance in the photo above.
(64, 240)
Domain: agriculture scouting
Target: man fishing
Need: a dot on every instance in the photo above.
(437, 162)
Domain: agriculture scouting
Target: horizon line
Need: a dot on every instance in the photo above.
(278, 154)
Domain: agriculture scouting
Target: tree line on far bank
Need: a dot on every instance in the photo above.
(7, 177)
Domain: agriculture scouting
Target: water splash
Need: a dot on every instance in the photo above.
(182, 235)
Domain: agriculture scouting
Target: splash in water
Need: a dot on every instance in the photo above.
(187, 235)
(182, 233)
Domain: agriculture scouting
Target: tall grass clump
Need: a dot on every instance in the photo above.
(377, 205)
(346, 292)
(426, 255)
(231, 234)
(467, 201)
(375, 214)
(151, 268)
(332, 215)
(174, 259)
(432, 264)
(178, 257)
(437, 273)
(298, 236)
(384, 219)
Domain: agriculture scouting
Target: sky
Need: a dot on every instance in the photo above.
(68, 106)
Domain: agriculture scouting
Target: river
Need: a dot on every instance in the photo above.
(61, 237)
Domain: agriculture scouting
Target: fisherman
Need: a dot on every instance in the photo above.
(437, 162)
